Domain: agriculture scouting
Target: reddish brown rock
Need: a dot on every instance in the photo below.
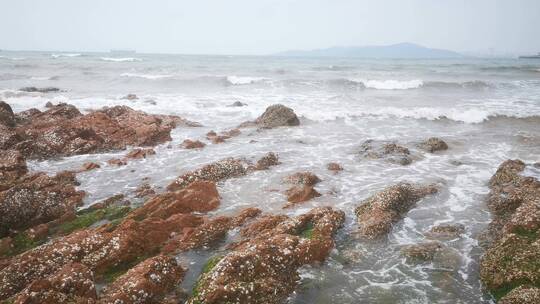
(73, 283)
(36, 199)
(140, 153)
(63, 131)
(218, 139)
(335, 167)
(200, 196)
(377, 213)
(299, 194)
(12, 167)
(191, 144)
(263, 223)
(215, 172)
(513, 245)
(211, 231)
(433, 144)
(144, 190)
(303, 179)
(116, 162)
(148, 282)
(267, 161)
(231, 133)
(89, 166)
(264, 269)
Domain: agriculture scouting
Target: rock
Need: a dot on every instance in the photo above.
(388, 151)
(275, 116)
(303, 179)
(140, 153)
(39, 90)
(144, 190)
(231, 133)
(335, 167)
(237, 104)
(214, 172)
(190, 144)
(38, 232)
(513, 245)
(522, 295)
(433, 144)
(263, 223)
(423, 251)
(378, 213)
(264, 269)
(209, 232)
(12, 167)
(36, 199)
(63, 131)
(299, 194)
(199, 196)
(89, 166)
(7, 118)
(130, 97)
(446, 231)
(269, 160)
(73, 283)
(116, 162)
(49, 105)
(148, 282)
(219, 139)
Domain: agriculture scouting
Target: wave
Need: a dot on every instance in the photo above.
(414, 84)
(511, 68)
(333, 68)
(65, 55)
(114, 59)
(390, 84)
(242, 80)
(475, 84)
(146, 76)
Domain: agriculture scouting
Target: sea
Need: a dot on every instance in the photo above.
(487, 110)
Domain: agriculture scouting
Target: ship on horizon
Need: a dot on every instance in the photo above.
(530, 56)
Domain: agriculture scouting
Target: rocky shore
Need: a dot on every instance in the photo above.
(54, 251)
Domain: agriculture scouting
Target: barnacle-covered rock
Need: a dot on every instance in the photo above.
(433, 144)
(388, 151)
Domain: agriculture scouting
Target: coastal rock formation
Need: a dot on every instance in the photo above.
(62, 130)
(7, 118)
(192, 144)
(222, 170)
(423, 251)
(388, 151)
(148, 282)
(274, 116)
(12, 167)
(522, 295)
(378, 213)
(34, 199)
(433, 144)
(513, 252)
(445, 231)
(140, 153)
(264, 268)
(89, 166)
(39, 90)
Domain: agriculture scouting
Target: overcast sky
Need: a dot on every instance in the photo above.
(267, 26)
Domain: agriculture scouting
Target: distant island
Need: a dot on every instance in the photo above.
(400, 50)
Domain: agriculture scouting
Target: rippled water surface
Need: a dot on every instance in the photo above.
(486, 110)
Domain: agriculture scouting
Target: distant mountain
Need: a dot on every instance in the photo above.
(400, 50)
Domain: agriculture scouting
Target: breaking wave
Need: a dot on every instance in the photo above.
(65, 55)
(241, 80)
(146, 76)
(127, 59)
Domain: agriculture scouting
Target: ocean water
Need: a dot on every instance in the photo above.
(487, 110)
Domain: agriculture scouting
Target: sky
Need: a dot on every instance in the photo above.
(267, 26)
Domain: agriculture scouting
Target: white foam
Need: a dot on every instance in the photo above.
(146, 76)
(393, 84)
(240, 80)
(40, 78)
(126, 59)
(65, 55)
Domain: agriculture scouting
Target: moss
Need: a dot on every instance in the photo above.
(531, 235)
(88, 218)
(116, 271)
(505, 289)
(21, 243)
(207, 268)
(307, 231)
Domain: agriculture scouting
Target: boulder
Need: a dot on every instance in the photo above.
(334, 167)
(446, 231)
(433, 144)
(388, 151)
(423, 251)
(215, 172)
(7, 118)
(299, 194)
(269, 160)
(237, 104)
(275, 116)
(192, 144)
(378, 213)
(264, 268)
(140, 153)
(302, 179)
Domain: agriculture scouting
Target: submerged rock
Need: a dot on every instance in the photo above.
(446, 231)
(264, 268)
(299, 194)
(130, 97)
(513, 252)
(388, 151)
(433, 144)
(39, 90)
(192, 144)
(140, 153)
(423, 251)
(269, 160)
(334, 167)
(378, 213)
(89, 166)
(275, 116)
(237, 104)
(302, 179)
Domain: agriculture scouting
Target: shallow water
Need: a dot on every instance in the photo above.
(486, 110)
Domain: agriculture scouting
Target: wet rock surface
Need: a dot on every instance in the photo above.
(513, 246)
(275, 116)
(299, 194)
(433, 144)
(388, 151)
(263, 269)
(62, 130)
(446, 231)
(193, 144)
(378, 213)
